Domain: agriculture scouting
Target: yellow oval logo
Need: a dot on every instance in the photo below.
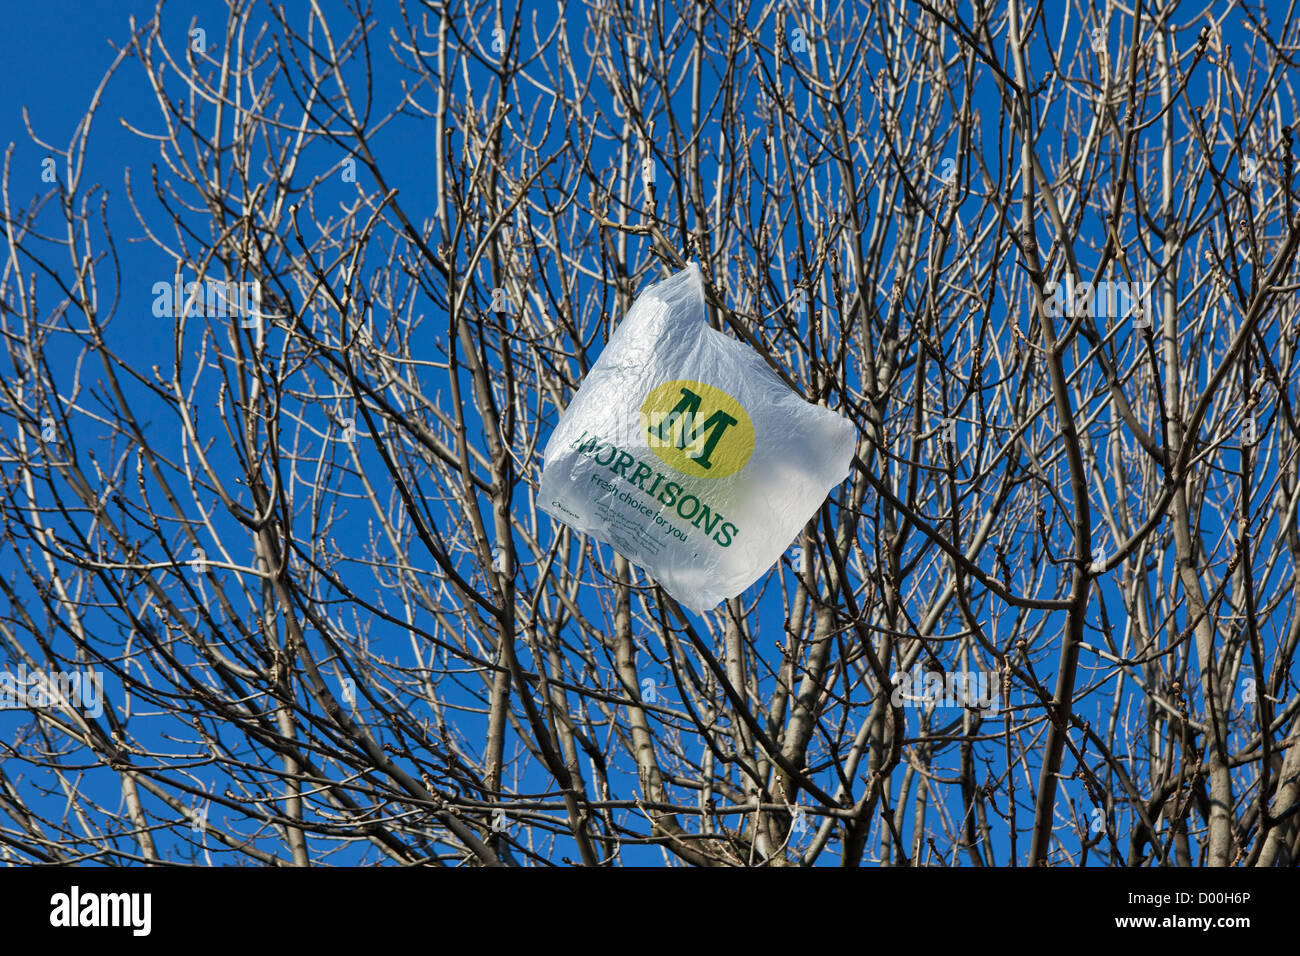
(697, 429)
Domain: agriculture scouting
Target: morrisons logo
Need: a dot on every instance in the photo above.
(674, 496)
(697, 429)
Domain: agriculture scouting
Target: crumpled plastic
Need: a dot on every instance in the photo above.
(687, 454)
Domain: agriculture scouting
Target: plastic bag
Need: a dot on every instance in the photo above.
(687, 454)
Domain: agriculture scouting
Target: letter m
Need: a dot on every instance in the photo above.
(963, 688)
(65, 688)
(119, 905)
(681, 424)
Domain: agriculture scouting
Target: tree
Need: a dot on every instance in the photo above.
(270, 469)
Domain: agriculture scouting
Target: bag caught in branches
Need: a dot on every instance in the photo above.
(684, 451)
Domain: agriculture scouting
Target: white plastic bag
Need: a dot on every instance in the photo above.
(687, 454)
